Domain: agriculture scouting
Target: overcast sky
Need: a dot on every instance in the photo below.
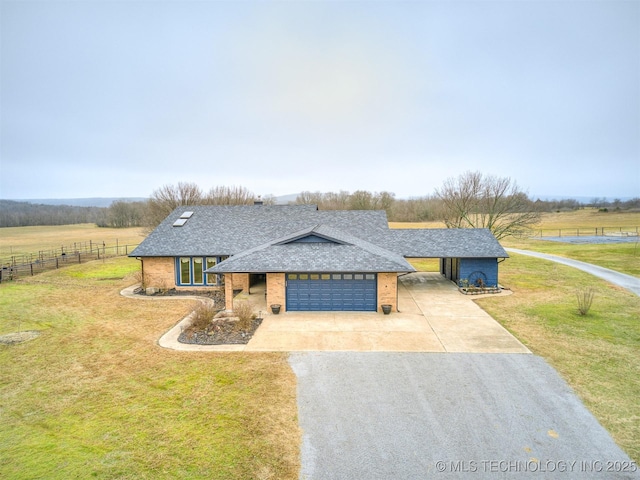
(117, 98)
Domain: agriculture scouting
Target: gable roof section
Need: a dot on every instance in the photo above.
(345, 254)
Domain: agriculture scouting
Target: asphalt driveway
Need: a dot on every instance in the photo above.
(421, 415)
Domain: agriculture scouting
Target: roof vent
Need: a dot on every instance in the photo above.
(183, 219)
(258, 201)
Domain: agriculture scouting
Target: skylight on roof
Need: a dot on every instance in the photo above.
(186, 215)
(180, 222)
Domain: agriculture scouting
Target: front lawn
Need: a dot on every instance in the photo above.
(95, 396)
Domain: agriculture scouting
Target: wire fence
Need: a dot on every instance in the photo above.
(590, 232)
(17, 266)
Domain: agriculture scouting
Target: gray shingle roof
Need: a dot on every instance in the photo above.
(228, 230)
(444, 242)
(250, 235)
(349, 254)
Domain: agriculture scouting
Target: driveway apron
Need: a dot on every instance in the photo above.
(428, 415)
(433, 317)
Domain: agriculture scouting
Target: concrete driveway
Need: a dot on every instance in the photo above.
(433, 317)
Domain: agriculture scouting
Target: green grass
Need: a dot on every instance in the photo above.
(95, 397)
(598, 354)
(622, 257)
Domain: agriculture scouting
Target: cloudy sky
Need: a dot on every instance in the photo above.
(117, 98)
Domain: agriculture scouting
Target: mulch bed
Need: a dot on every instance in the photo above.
(223, 331)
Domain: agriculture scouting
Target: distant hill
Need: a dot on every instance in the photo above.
(82, 202)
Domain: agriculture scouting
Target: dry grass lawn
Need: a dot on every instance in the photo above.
(95, 396)
(25, 240)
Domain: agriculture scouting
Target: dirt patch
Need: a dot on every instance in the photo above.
(18, 337)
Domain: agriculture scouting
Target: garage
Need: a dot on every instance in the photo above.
(331, 292)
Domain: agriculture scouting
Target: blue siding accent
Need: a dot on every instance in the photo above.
(487, 266)
(312, 239)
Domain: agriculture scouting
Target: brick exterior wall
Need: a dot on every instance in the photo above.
(276, 290)
(241, 282)
(228, 291)
(159, 272)
(388, 290)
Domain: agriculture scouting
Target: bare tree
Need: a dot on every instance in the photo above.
(167, 198)
(309, 198)
(361, 200)
(336, 201)
(476, 201)
(233, 195)
(121, 214)
(384, 201)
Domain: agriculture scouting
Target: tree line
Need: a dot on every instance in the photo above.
(25, 214)
(471, 200)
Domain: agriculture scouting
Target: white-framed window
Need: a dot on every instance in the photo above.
(190, 271)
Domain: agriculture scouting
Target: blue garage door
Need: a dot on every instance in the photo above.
(331, 292)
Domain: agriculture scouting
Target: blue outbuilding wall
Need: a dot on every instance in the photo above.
(488, 266)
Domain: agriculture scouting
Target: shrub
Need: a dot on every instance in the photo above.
(585, 299)
(244, 312)
(202, 317)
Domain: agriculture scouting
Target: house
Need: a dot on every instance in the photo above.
(311, 260)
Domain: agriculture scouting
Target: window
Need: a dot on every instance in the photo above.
(212, 279)
(198, 272)
(190, 271)
(185, 270)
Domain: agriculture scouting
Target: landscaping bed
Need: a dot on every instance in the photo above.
(222, 331)
(209, 325)
(479, 290)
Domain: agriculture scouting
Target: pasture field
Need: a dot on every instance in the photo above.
(95, 396)
(26, 240)
(585, 218)
(623, 257)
